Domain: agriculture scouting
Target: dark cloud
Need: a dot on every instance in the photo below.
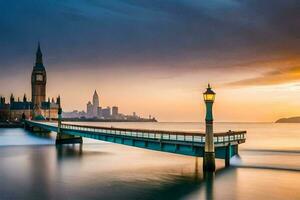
(127, 33)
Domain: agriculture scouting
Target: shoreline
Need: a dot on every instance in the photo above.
(107, 120)
(11, 125)
(289, 120)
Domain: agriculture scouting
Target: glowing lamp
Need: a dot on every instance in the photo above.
(209, 95)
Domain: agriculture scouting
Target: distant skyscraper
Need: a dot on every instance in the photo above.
(89, 109)
(95, 104)
(115, 111)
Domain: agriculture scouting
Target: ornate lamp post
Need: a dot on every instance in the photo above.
(209, 151)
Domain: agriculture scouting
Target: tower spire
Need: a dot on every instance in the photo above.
(39, 56)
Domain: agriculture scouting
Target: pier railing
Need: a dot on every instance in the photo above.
(196, 137)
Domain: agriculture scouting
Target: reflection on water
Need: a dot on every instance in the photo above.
(32, 167)
(98, 174)
(42, 135)
(71, 150)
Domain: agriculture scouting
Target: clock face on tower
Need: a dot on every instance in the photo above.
(39, 77)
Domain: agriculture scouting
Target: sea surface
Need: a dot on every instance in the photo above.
(32, 167)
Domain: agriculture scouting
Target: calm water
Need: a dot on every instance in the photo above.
(32, 167)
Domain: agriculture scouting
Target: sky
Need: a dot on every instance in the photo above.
(156, 57)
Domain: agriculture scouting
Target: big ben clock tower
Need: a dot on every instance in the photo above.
(38, 83)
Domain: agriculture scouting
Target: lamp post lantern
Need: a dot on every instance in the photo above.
(209, 151)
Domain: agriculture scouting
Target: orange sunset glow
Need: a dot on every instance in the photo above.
(162, 68)
(150, 99)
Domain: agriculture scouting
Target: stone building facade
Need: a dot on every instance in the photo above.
(38, 108)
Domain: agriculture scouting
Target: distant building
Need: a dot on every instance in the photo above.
(106, 112)
(73, 114)
(89, 110)
(99, 112)
(82, 114)
(92, 108)
(115, 112)
(95, 104)
(4, 109)
(38, 108)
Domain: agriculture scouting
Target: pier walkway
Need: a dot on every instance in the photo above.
(179, 142)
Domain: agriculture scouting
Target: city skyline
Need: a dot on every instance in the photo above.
(157, 58)
(150, 99)
(96, 110)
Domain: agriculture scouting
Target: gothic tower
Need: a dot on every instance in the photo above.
(38, 83)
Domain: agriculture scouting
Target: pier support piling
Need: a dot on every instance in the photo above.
(209, 164)
(67, 139)
(228, 155)
(62, 138)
